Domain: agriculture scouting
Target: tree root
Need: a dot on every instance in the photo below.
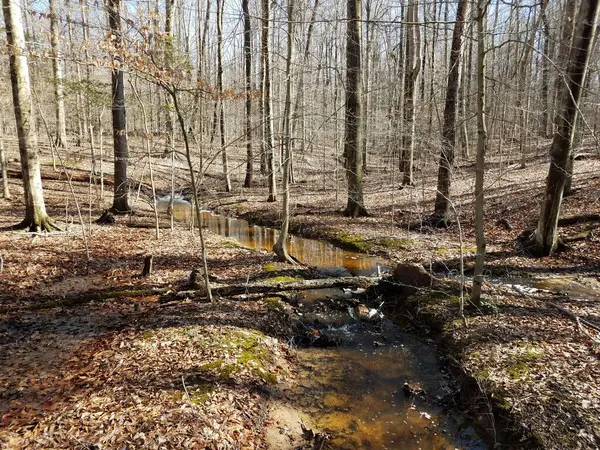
(45, 225)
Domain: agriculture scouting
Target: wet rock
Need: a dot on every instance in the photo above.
(411, 277)
(412, 390)
(366, 314)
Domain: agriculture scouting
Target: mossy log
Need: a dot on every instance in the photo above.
(270, 287)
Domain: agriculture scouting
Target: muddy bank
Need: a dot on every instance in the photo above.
(522, 370)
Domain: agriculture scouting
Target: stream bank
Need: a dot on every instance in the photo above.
(524, 369)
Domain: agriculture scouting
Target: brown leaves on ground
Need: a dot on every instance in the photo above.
(113, 376)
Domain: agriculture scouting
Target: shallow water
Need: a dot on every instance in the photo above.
(354, 391)
(327, 258)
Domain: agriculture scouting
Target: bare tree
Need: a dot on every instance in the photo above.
(57, 69)
(441, 213)
(268, 144)
(248, 103)
(482, 8)
(413, 67)
(36, 218)
(4, 169)
(353, 121)
(169, 51)
(224, 159)
(121, 153)
(546, 234)
(280, 247)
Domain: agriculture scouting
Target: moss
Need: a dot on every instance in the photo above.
(517, 369)
(483, 374)
(531, 351)
(398, 244)
(199, 394)
(283, 279)
(353, 241)
(270, 267)
(148, 335)
(442, 251)
(274, 304)
(227, 243)
(501, 402)
(251, 355)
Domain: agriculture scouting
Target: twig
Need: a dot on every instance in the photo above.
(187, 394)
(580, 323)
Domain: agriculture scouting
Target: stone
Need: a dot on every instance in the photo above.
(411, 277)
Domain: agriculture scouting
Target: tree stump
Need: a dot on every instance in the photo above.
(147, 270)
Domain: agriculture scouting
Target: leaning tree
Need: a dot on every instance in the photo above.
(36, 218)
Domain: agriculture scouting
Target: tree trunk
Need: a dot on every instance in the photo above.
(188, 156)
(224, 159)
(169, 48)
(4, 168)
(121, 154)
(482, 8)
(442, 200)
(248, 104)
(413, 66)
(57, 69)
(353, 120)
(280, 247)
(546, 235)
(36, 218)
(544, 120)
(268, 142)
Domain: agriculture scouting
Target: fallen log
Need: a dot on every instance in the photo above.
(583, 218)
(268, 287)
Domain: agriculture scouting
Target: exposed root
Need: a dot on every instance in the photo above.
(45, 225)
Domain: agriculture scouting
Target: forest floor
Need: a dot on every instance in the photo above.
(131, 371)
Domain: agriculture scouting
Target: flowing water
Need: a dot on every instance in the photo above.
(354, 391)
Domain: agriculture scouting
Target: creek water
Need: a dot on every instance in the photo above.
(354, 390)
(325, 257)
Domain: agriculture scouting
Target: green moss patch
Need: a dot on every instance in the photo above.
(274, 304)
(245, 352)
(283, 279)
(270, 267)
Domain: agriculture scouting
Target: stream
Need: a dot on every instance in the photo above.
(358, 390)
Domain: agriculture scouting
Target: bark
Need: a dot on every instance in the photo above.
(544, 121)
(57, 69)
(443, 200)
(367, 86)
(268, 142)
(280, 247)
(248, 103)
(413, 66)
(546, 235)
(4, 168)
(121, 154)
(188, 155)
(482, 8)
(169, 48)
(36, 218)
(299, 102)
(224, 159)
(353, 120)
(266, 287)
(524, 94)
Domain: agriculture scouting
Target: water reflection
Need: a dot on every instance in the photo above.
(354, 392)
(328, 258)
